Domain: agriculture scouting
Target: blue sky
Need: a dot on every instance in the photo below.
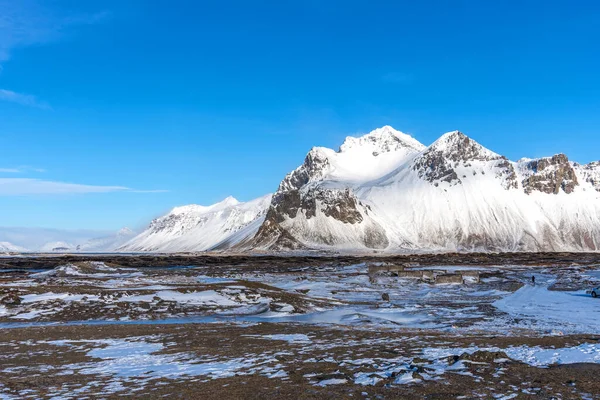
(142, 105)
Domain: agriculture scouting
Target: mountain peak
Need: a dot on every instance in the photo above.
(125, 232)
(229, 201)
(196, 208)
(381, 140)
(450, 139)
(455, 151)
(456, 145)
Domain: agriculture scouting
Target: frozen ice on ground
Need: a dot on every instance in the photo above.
(540, 357)
(352, 315)
(196, 298)
(595, 274)
(455, 268)
(534, 356)
(290, 338)
(150, 287)
(334, 381)
(31, 314)
(139, 359)
(211, 280)
(33, 298)
(551, 310)
(95, 270)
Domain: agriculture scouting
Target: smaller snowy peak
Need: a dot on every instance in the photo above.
(381, 140)
(229, 201)
(199, 228)
(548, 175)
(57, 247)
(7, 247)
(107, 243)
(125, 232)
(455, 157)
(457, 146)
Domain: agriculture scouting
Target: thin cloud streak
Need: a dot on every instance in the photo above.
(21, 169)
(22, 99)
(29, 22)
(29, 186)
(26, 23)
(149, 191)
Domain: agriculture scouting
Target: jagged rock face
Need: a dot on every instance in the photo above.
(550, 175)
(506, 172)
(434, 168)
(272, 236)
(302, 206)
(454, 152)
(341, 205)
(314, 167)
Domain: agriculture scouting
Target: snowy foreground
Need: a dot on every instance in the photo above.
(92, 329)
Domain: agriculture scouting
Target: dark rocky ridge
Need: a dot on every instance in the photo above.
(314, 166)
(550, 175)
(340, 205)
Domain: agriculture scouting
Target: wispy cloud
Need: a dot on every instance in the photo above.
(21, 169)
(148, 191)
(29, 186)
(29, 22)
(23, 99)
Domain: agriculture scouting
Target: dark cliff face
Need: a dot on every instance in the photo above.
(439, 162)
(314, 167)
(550, 175)
(338, 204)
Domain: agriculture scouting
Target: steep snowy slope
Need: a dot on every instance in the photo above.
(452, 195)
(199, 228)
(107, 243)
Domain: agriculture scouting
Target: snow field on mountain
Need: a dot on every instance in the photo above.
(199, 228)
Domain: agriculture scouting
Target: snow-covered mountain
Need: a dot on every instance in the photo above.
(57, 247)
(106, 243)
(7, 247)
(199, 228)
(387, 191)
(316, 204)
